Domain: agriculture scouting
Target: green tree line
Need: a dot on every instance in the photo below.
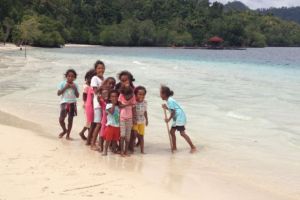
(52, 23)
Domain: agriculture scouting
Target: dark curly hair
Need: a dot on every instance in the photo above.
(126, 73)
(89, 75)
(71, 71)
(138, 88)
(166, 91)
(98, 62)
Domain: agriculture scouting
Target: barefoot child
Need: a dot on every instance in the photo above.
(103, 103)
(112, 131)
(177, 115)
(141, 116)
(87, 102)
(96, 82)
(68, 90)
(127, 103)
(107, 85)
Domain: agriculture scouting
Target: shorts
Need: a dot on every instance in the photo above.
(69, 109)
(112, 133)
(126, 127)
(178, 128)
(139, 128)
(97, 115)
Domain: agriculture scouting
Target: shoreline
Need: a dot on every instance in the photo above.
(13, 47)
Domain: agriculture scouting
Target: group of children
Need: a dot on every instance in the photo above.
(116, 113)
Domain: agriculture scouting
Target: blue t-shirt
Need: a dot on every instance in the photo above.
(113, 119)
(180, 117)
(69, 95)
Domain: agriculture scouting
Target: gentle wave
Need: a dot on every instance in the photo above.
(238, 116)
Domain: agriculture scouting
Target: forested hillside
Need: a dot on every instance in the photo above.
(291, 14)
(52, 23)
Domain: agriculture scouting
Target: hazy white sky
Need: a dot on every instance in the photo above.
(265, 3)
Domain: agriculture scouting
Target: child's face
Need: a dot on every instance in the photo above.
(113, 98)
(100, 69)
(70, 77)
(124, 80)
(163, 96)
(140, 96)
(111, 84)
(105, 94)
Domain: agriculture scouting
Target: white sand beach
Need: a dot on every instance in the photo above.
(246, 150)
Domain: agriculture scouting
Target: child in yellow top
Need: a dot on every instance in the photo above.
(141, 115)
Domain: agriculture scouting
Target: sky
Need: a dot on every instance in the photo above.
(253, 4)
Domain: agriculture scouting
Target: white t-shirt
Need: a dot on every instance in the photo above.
(96, 82)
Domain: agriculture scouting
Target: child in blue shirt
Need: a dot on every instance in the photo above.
(177, 115)
(68, 90)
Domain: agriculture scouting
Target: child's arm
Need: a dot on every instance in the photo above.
(112, 109)
(146, 117)
(134, 115)
(84, 97)
(60, 92)
(74, 86)
(171, 116)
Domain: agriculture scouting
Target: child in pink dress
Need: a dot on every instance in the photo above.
(127, 112)
(88, 77)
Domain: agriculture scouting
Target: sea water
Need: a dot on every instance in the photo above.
(243, 107)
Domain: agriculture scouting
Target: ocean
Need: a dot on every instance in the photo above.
(243, 108)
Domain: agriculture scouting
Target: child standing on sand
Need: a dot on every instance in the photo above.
(68, 90)
(103, 103)
(177, 115)
(141, 116)
(112, 131)
(107, 85)
(96, 82)
(86, 96)
(127, 104)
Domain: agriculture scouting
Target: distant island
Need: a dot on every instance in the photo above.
(189, 23)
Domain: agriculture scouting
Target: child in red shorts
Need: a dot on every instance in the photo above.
(112, 131)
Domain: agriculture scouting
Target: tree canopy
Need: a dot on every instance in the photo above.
(52, 23)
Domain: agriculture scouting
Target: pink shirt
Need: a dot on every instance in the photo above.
(126, 113)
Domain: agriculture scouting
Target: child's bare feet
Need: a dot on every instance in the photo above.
(193, 150)
(62, 134)
(69, 138)
(82, 136)
(94, 148)
(104, 154)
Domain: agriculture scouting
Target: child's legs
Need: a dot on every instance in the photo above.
(91, 130)
(97, 121)
(62, 116)
(107, 143)
(70, 124)
(95, 134)
(128, 134)
(132, 139)
(187, 138)
(123, 134)
(141, 141)
(172, 132)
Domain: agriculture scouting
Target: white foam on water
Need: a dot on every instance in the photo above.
(238, 116)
